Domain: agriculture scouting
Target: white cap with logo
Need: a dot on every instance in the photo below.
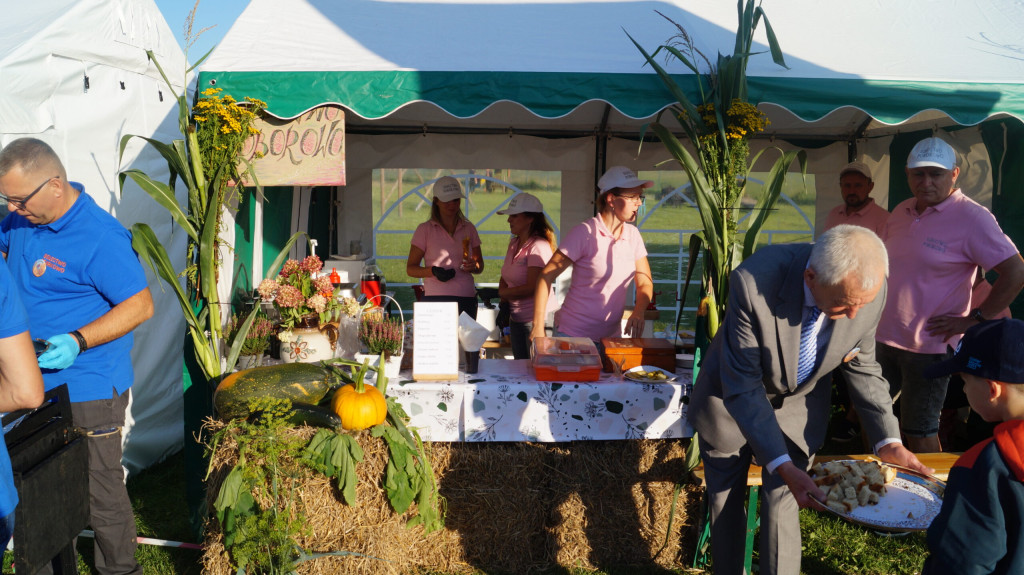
(932, 152)
(447, 189)
(621, 177)
(522, 203)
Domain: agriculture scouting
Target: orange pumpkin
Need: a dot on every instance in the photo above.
(359, 408)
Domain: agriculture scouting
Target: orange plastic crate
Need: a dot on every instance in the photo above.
(565, 359)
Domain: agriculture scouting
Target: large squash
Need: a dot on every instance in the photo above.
(297, 382)
(359, 406)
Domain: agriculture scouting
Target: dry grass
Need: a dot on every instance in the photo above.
(511, 508)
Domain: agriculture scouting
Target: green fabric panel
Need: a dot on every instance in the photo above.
(551, 95)
(319, 223)
(243, 245)
(277, 226)
(276, 229)
(1004, 140)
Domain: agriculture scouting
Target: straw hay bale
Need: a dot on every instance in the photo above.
(510, 508)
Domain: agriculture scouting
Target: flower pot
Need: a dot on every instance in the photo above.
(391, 367)
(371, 358)
(308, 344)
(249, 361)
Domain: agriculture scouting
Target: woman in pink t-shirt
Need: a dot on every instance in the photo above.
(439, 249)
(606, 255)
(529, 250)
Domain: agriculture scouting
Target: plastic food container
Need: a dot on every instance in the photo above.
(629, 352)
(565, 359)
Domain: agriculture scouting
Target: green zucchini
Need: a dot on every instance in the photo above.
(297, 382)
(314, 416)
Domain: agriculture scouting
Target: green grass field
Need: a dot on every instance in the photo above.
(666, 227)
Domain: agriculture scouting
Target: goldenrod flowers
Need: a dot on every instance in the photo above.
(223, 125)
(742, 119)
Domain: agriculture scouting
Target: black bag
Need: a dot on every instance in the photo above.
(504, 317)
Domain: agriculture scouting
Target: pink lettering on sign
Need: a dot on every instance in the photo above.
(304, 151)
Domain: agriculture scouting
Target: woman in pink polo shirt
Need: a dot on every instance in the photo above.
(606, 255)
(438, 245)
(529, 250)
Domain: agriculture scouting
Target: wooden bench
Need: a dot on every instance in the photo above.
(940, 462)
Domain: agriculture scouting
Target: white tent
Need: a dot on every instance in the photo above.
(547, 85)
(74, 73)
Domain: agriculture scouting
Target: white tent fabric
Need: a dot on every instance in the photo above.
(74, 73)
(891, 60)
(535, 84)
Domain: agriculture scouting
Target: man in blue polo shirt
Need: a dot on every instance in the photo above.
(85, 291)
(21, 386)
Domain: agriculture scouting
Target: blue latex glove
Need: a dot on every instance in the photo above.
(62, 353)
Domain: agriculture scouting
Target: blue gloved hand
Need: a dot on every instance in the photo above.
(62, 353)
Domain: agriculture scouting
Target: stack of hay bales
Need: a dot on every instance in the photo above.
(510, 508)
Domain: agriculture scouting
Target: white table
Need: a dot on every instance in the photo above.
(504, 402)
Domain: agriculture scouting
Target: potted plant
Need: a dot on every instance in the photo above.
(383, 336)
(255, 342)
(309, 311)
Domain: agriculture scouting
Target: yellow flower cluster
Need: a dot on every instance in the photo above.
(233, 118)
(743, 119)
(222, 126)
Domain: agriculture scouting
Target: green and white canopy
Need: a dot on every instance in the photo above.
(568, 66)
(558, 85)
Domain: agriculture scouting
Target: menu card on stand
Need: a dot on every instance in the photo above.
(435, 340)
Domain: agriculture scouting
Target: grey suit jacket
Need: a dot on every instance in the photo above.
(746, 390)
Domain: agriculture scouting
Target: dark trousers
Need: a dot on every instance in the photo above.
(519, 335)
(110, 510)
(6, 530)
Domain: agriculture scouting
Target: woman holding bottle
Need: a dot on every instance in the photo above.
(606, 255)
(529, 250)
(445, 250)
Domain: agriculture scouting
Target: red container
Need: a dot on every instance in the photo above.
(372, 284)
(565, 359)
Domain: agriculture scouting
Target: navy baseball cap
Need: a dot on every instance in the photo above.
(991, 350)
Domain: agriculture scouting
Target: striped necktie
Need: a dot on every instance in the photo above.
(808, 345)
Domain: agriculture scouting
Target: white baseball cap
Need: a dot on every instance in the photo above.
(522, 203)
(447, 189)
(858, 167)
(932, 152)
(621, 177)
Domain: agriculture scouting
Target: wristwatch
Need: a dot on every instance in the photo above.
(976, 315)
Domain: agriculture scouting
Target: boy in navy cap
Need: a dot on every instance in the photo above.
(980, 527)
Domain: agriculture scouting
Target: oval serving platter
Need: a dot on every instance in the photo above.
(911, 502)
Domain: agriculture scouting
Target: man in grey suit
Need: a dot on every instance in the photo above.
(796, 312)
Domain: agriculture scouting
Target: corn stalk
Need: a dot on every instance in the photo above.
(200, 219)
(719, 172)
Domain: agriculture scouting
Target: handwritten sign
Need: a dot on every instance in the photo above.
(435, 340)
(304, 151)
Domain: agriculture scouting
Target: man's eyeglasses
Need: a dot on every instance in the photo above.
(638, 199)
(20, 204)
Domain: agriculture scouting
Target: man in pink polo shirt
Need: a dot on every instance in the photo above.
(936, 240)
(858, 207)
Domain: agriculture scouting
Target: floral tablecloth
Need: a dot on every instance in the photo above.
(505, 403)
